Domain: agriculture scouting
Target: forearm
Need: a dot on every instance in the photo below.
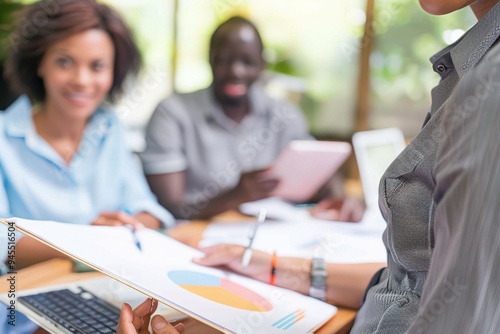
(148, 220)
(346, 283)
(171, 193)
(30, 251)
(206, 208)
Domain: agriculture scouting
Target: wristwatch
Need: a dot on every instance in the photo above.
(318, 279)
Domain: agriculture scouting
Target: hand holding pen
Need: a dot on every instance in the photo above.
(120, 218)
(133, 229)
(117, 218)
(247, 254)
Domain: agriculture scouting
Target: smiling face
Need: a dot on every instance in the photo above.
(77, 73)
(236, 60)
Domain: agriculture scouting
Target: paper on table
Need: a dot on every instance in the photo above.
(276, 209)
(296, 233)
(164, 271)
(303, 239)
(285, 211)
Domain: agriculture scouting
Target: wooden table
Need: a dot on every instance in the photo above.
(58, 271)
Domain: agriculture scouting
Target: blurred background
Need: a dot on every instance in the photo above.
(350, 65)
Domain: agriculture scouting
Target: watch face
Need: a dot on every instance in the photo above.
(318, 279)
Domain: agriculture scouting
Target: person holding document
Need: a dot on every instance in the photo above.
(63, 153)
(440, 198)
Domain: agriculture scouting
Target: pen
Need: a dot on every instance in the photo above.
(136, 239)
(134, 232)
(247, 254)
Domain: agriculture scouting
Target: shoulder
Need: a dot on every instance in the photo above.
(475, 98)
(478, 88)
(17, 117)
(21, 105)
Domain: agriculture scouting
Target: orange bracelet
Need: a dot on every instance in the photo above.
(274, 260)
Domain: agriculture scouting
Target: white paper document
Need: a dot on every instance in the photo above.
(164, 271)
(293, 232)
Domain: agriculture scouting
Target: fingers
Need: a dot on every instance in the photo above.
(162, 326)
(325, 214)
(145, 308)
(125, 325)
(230, 257)
(339, 209)
(141, 316)
(352, 210)
(117, 219)
(137, 321)
(219, 255)
(330, 203)
(266, 187)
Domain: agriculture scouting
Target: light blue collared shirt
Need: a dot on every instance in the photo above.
(36, 183)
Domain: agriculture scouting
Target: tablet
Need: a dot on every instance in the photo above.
(375, 150)
(305, 166)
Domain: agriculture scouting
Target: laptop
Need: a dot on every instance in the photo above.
(103, 295)
(375, 150)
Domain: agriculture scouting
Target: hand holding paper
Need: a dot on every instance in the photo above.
(137, 321)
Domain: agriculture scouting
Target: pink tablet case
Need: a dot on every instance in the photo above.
(305, 166)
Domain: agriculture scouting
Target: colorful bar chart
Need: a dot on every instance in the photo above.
(220, 290)
(288, 321)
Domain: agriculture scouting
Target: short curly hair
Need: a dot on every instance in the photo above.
(49, 21)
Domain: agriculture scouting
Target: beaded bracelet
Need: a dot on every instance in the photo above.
(274, 260)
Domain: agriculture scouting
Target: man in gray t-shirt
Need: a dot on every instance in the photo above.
(207, 151)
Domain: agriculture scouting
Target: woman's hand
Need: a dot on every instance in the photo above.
(229, 256)
(339, 209)
(137, 321)
(117, 218)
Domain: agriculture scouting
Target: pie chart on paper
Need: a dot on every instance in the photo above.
(220, 290)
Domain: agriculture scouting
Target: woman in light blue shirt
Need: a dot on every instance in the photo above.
(64, 157)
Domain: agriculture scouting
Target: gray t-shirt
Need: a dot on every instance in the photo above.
(191, 133)
(407, 190)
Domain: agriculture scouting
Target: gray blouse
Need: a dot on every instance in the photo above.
(407, 190)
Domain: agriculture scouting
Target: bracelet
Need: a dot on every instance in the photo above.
(274, 260)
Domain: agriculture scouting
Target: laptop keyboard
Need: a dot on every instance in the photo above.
(80, 312)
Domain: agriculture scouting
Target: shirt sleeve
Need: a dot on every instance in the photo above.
(137, 197)
(462, 289)
(4, 213)
(164, 146)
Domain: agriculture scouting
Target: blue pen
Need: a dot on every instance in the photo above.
(136, 239)
(134, 233)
